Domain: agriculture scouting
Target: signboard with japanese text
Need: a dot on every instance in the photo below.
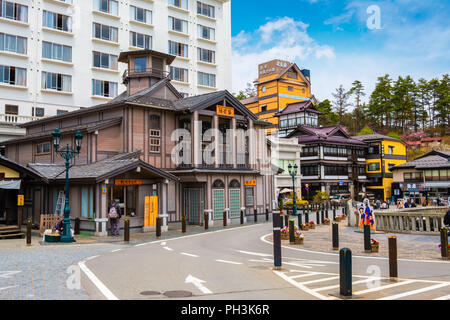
(225, 111)
(128, 182)
(250, 182)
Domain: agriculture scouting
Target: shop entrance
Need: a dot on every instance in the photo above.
(194, 204)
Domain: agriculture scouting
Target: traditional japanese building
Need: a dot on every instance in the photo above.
(150, 141)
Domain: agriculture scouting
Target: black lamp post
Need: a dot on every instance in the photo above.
(293, 172)
(67, 153)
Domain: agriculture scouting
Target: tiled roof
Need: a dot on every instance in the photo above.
(249, 100)
(326, 134)
(426, 162)
(298, 107)
(374, 137)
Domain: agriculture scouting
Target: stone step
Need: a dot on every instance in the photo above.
(16, 235)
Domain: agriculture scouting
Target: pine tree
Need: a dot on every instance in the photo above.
(380, 104)
(424, 93)
(357, 90)
(341, 102)
(443, 104)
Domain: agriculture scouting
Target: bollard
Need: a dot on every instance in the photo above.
(317, 217)
(303, 207)
(367, 243)
(322, 218)
(183, 224)
(158, 227)
(345, 272)
(291, 232)
(28, 232)
(206, 220)
(307, 217)
(300, 218)
(444, 243)
(255, 213)
(326, 213)
(286, 220)
(335, 236)
(334, 214)
(267, 214)
(277, 240)
(242, 217)
(126, 230)
(76, 229)
(393, 266)
(281, 221)
(225, 218)
(343, 210)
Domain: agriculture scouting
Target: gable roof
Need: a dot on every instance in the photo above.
(299, 107)
(282, 73)
(428, 161)
(330, 134)
(376, 137)
(21, 169)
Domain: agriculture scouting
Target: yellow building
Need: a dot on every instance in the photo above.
(384, 153)
(279, 83)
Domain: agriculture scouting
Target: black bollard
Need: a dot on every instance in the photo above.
(286, 220)
(277, 240)
(322, 218)
(307, 217)
(225, 218)
(393, 266)
(444, 243)
(126, 230)
(317, 217)
(28, 232)
(267, 214)
(326, 213)
(183, 224)
(300, 218)
(255, 213)
(281, 220)
(291, 232)
(303, 207)
(206, 220)
(242, 216)
(335, 235)
(76, 229)
(367, 243)
(334, 214)
(345, 272)
(158, 227)
(343, 210)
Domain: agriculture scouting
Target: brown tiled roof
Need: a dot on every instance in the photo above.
(426, 162)
(249, 100)
(298, 107)
(375, 137)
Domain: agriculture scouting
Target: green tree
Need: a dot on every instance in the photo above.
(424, 93)
(341, 102)
(357, 90)
(364, 131)
(329, 117)
(443, 104)
(380, 104)
(394, 135)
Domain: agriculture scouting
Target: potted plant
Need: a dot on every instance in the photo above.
(312, 225)
(326, 221)
(298, 238)
(285, 233)
(305, 226)
(448, 249)
(375, 245)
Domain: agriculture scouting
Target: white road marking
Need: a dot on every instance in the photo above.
(189, 254)
(226, 261)
(116, 250)
(302, 287)
(319, 280)
(4, 288)
(198, 283)
(90, 258)
(168, 249)
(163, 243)
(410, 293)
(96, 281)
(7, 274)
(304, 275)
(255, 253)
(338, 285)
(393, 285)
(443, 298)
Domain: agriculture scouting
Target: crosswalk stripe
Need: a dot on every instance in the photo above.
(384, 287)
(337, 286)
(319, 280)
(410, 293)
(443, 298)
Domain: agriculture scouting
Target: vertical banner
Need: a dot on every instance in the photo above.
(153, 210)
(147, 212)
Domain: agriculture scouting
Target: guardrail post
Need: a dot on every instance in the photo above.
(367, 243)
(277, 240)
(224, 218)
(76, 229)
(206, 220)
(444, 243)
(158, 227)
(255, 213)
(345, 272)
(291, 232)
(126, 230)
(335, 236)
(28, 232)
(183, 224)
(393, 266)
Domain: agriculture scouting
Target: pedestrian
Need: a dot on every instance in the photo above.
(406, 205)
(413, 204)
(59, 227)
(114, 218)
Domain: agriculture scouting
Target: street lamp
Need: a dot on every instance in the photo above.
(67, 153)
(293, 172)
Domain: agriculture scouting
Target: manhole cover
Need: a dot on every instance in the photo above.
(178, 294)
(150, 293)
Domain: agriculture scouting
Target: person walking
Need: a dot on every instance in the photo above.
(114, 218)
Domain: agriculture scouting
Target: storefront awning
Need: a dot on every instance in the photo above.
(10, 184)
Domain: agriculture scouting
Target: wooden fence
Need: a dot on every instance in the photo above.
(48, 221)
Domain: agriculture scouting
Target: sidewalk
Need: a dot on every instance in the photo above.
(409, 246)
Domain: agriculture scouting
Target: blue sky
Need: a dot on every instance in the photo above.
(342, 41)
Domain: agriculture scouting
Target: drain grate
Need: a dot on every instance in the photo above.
(178, 294)
(150, 293)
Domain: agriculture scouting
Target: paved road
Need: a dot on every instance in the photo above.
(237, 264)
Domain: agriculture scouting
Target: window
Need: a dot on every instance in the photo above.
(205, 9)
(140, 40)
(104, 60)
(206, 79)
(104, 32)
(57, 21)
(87, 202)
(179, 3)
(206, 55)
(249, 196)
(390, 166)
(43, 148)
(107, 6)
(56, 51)
(264, 108)
(336, 170)
(373, 150)
(179, 74)
(178, 25)
(140, 64)
(412, 176)
(13, 43)
(264, 89)
(56, 81)
(178, 49)
(155, 133)
(13, 75)
(291, 74)
(206, 32)
(13, 11)
(309, 151)
(60, 112)
(361, 170)
(290, 88)
(104, 88)
(141, 15)
(390, 150)
(10, 109)
(38, 112)
(310, 170)
(335, 151)
(373, 166)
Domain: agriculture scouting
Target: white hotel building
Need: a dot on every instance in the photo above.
(61, 55)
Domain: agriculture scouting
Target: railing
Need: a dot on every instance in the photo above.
(243, 160)
(422, 220)
(145, 72)
(16, 119)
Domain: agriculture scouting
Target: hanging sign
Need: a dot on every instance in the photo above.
(20, 200)
(225, 111)
(128, 182)
(250, 182)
